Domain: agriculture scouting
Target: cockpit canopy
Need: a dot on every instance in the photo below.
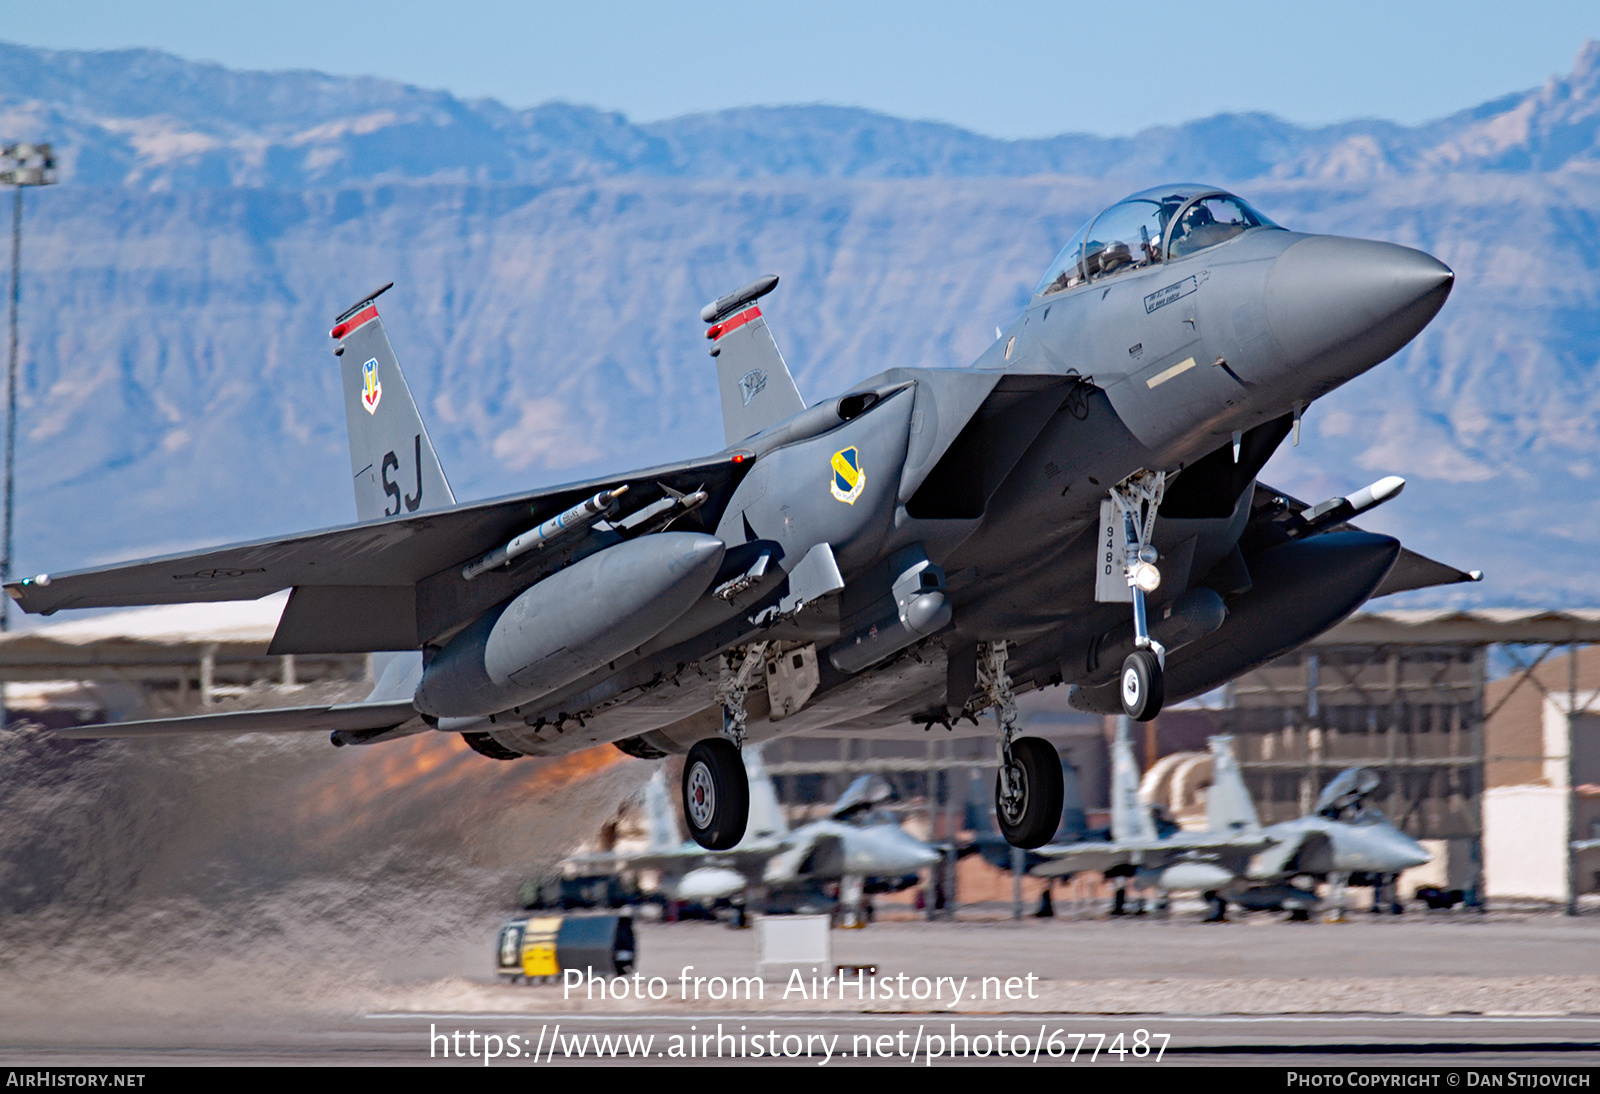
(1161, 224)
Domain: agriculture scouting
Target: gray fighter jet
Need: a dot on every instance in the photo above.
(1235, 859)
(851, 845)
(1078, 507)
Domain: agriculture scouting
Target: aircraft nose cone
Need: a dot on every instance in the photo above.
(909, 853)
(1346, 304)
(1416, 854)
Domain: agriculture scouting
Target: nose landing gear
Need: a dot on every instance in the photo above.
(1142, 685)
(1137, 498)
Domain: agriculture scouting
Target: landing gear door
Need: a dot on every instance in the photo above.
(1111, 558)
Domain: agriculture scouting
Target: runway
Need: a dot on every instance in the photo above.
(1451, 991)
(874, 1040)
(194, 903)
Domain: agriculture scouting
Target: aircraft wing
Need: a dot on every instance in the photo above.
(1073, 858)
(610, 862)
(382, 585)
(1411, 570)
(312, 719)
(746, 860)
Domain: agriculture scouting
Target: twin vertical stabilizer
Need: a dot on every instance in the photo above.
(1229, 807)
(1130, 817)
(395, 469)
(766, 821)
(757, 390)
(663, 822)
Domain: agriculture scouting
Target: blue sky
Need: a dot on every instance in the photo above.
(1008, 69)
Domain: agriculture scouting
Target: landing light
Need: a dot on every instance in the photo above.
(1146, 576)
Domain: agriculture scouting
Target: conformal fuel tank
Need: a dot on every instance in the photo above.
(570, 624)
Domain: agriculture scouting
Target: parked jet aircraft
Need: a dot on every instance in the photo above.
(1235, 859)
(849, 845)
(1079, 507)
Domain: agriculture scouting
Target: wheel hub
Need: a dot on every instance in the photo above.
(1012, 805)
(1130, 688)
(702, 796)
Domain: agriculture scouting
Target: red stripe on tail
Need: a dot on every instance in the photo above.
(717, 330)
(359, 319)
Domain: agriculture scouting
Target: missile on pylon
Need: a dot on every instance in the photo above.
(579, 516)
(1336, 511)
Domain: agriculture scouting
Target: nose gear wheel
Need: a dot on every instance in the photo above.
(1143, 689)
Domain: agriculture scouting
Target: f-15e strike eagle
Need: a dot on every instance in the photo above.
(1078, 507)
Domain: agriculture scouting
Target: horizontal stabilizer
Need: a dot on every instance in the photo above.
(1414, 571)
(315, 719)
(1411, 570)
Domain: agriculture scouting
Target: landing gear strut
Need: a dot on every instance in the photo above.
(716, 790)
(1028, 789)
(1137, 498)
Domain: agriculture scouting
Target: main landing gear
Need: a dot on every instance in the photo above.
(1143, 685)
(716, 790)
(1028, 789)
(716, 794)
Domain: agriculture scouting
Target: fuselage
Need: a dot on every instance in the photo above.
(1159, 341)
(1320, 845)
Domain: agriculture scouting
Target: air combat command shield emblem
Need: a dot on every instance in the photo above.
(371, 389)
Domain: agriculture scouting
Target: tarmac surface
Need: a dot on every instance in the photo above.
(1454, 989)
(203, 902)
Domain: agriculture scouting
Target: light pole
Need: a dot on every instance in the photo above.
(21, 165)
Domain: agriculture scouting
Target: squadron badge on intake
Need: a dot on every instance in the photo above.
(848, 478)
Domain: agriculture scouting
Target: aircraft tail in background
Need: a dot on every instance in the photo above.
(766, 815)
(1228, 804)
(1130, 819)
(663, 822)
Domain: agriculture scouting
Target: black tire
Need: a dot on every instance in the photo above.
(1033, 817)
(716, 794)
(1142, 686)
